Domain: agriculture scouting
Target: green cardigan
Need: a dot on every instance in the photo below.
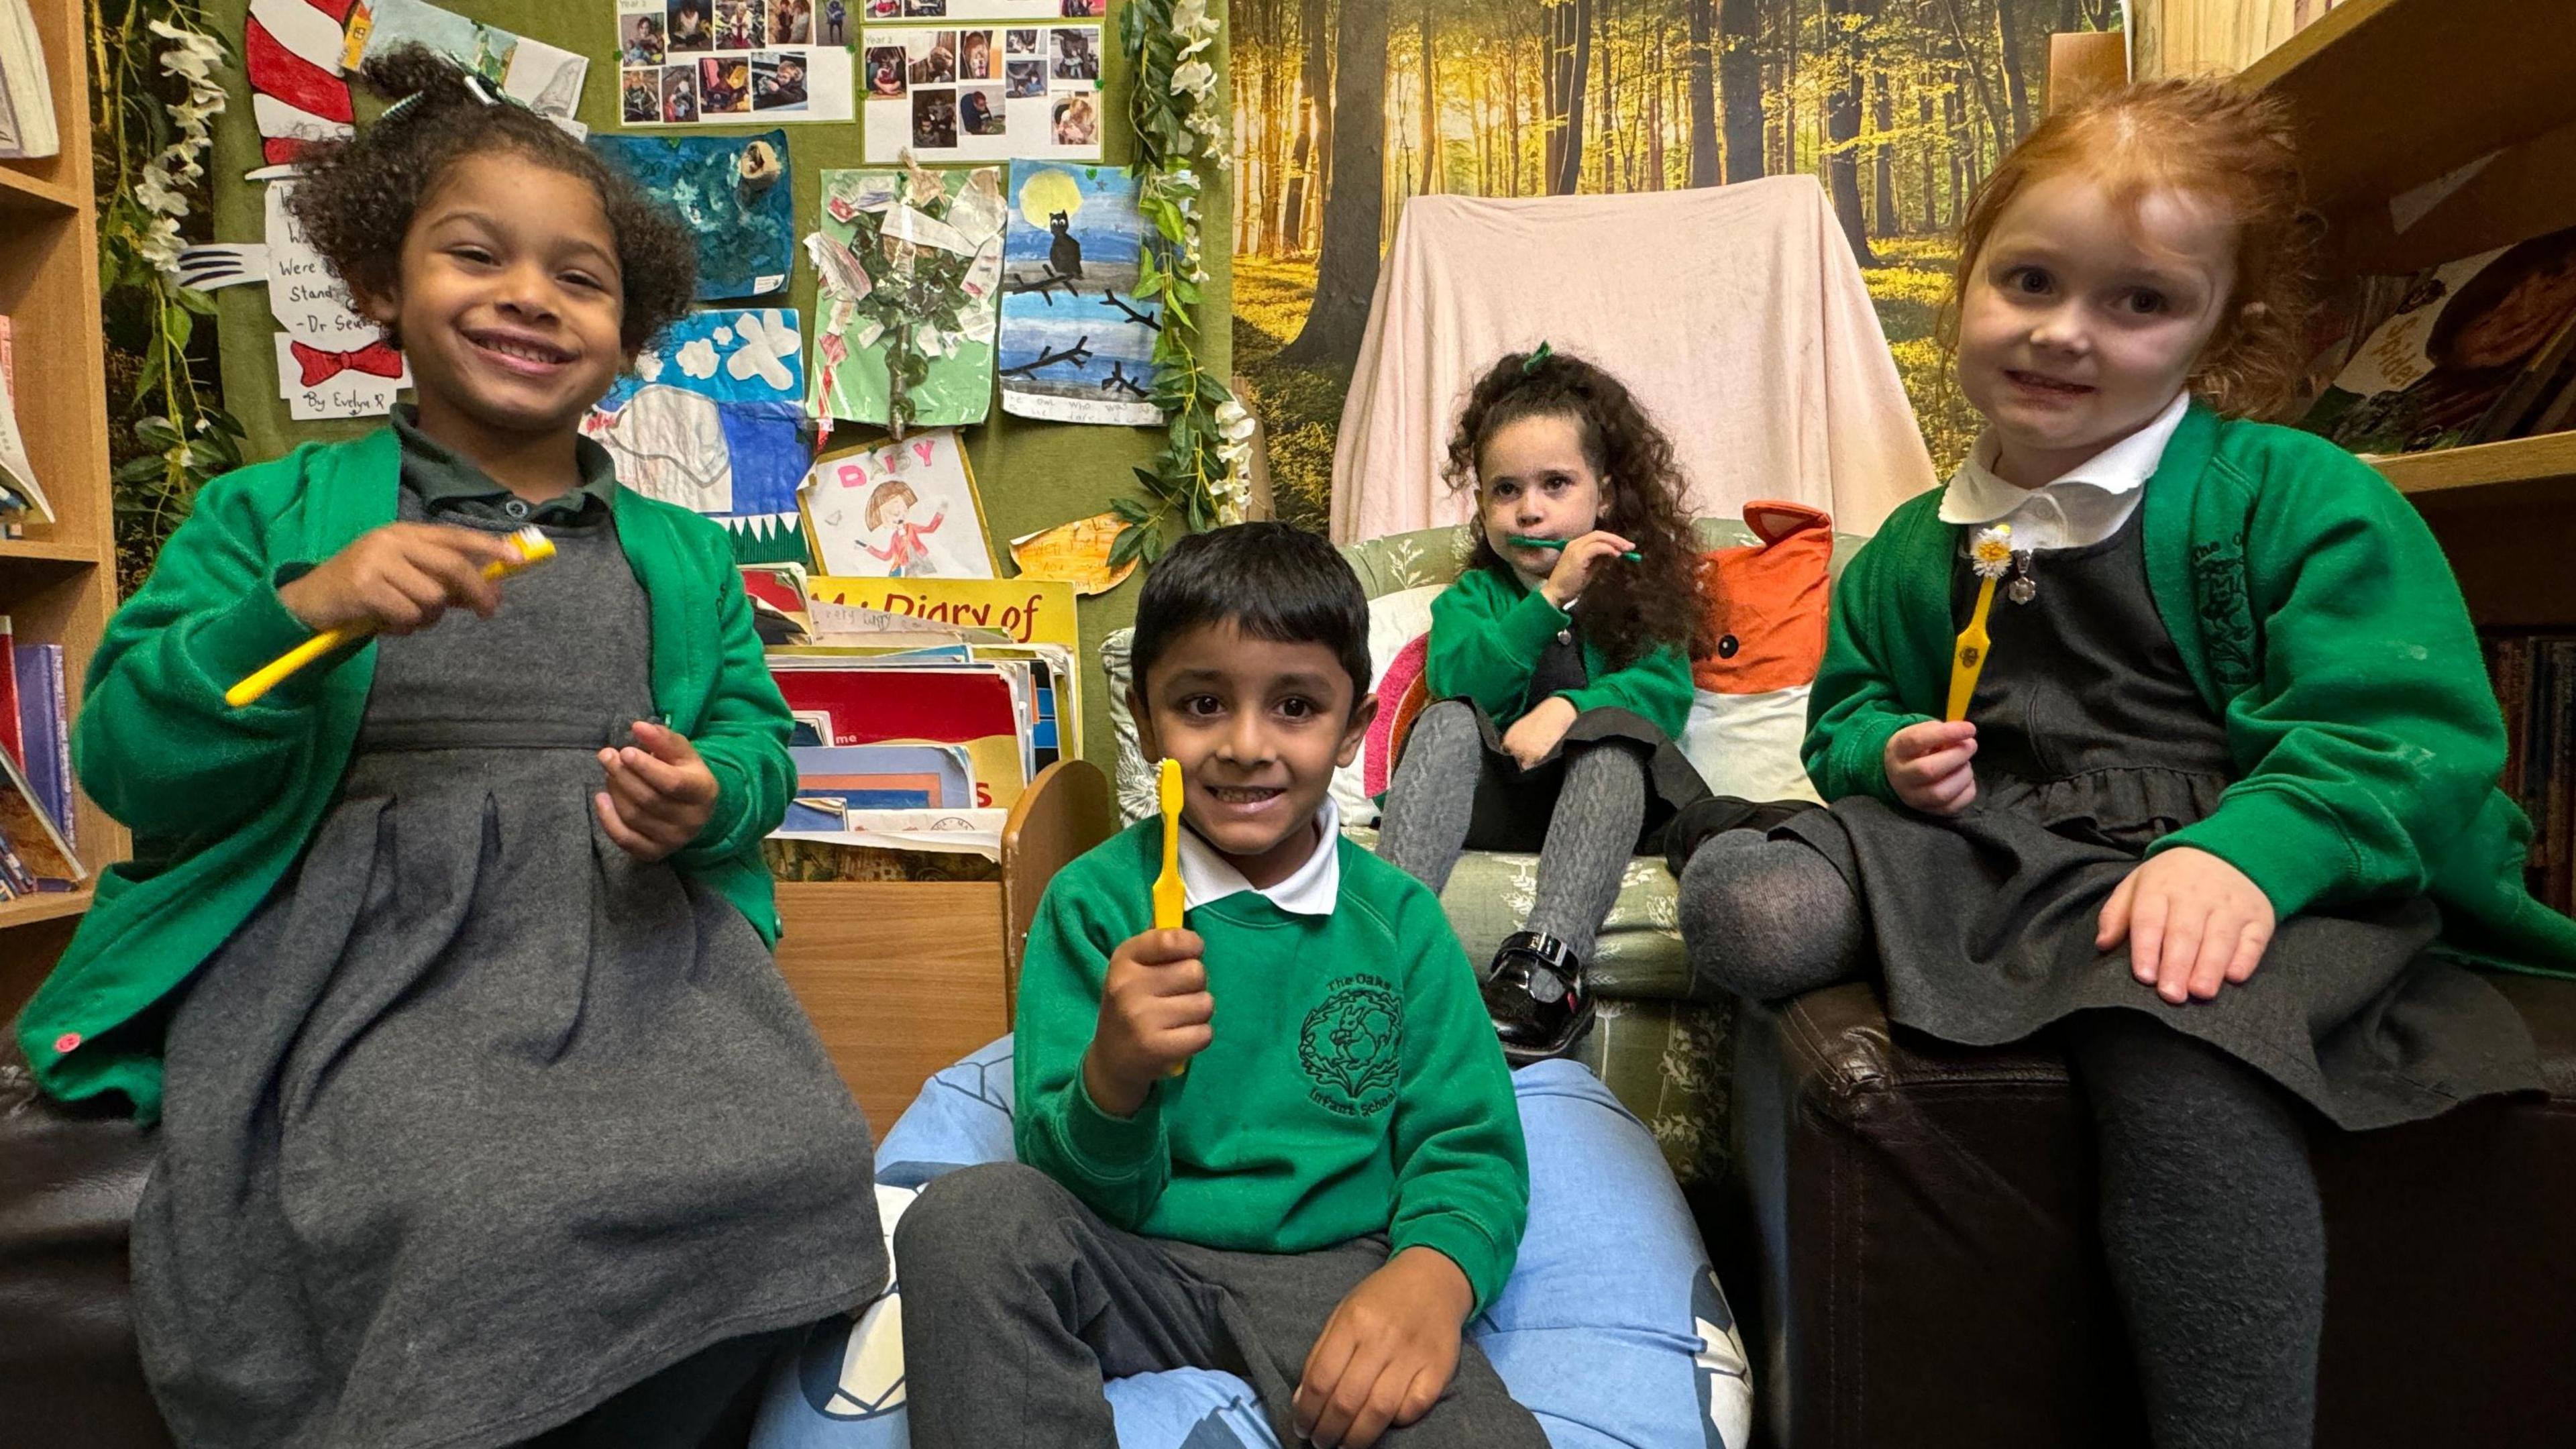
(221, 801)
(1488, 632)
(2320, 621)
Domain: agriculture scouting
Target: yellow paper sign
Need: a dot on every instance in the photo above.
(1031, 611)
(1076, 552)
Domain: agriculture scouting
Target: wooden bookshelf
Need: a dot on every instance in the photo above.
(58, 584)
(2395, 95)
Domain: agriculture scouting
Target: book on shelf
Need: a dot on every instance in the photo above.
(2535, 683)
(44, 732)
(26, 90)
(34, 857)
(2472, 351)
(21, 499)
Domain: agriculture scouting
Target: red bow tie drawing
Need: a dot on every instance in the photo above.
(376, 359)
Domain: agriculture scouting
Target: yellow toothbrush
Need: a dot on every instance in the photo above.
(1991, 556)
(533, 546)
(1169, 898)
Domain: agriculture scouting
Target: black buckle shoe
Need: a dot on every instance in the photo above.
(1537, 998)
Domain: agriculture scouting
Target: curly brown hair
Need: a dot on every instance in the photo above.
(2214, 138)
(356, 199)
(1631, 610)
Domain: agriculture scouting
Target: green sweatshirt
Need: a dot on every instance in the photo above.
(1354, 1086)
(1488, 632)
(222, 800)
(2317, 615)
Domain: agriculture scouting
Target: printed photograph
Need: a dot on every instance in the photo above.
(692, 26)
(679, 94)
(1077, 54)
(934, 120)
(1025, 78)
(778, 80)
(980, 111)
(933, 57)
(641, 99)
(885, 70)
(643, 40)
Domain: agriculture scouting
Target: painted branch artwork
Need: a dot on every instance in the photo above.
(710, 419)
(733, 192)
(909, 271)
(1076, 346)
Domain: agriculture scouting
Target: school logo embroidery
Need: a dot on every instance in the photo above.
(1351, 1045)
(2226, 613)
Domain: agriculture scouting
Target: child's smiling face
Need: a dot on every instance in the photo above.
(508, 298)
(1259, 726)
(2084, 316)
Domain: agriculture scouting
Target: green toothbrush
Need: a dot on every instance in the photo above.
(1557, 545)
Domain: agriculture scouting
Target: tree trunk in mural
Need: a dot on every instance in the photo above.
(1569, 69)
(1842, 127)
(1355, 206)
(1882, 156)
(1704, 155)
(2010, 54)
(1314, 124)
(1430, 108)
(1739, 73)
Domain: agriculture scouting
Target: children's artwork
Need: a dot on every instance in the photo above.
(734, 194)
(909, 271)
(1077, 347)
(546, 79)
(982, 92)
(898, 510)
(710, 419)
(331, 362)
(687, 62)
(291, 53)
(1076, 553)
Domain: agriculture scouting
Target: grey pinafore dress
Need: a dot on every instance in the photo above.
(1514, 806)
(479, 1120)
(2092, 741)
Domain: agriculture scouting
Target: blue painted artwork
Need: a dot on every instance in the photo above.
(712, 418)
(1076, 344)
(733, 193)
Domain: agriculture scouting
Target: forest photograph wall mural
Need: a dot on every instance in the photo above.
(1345, 109)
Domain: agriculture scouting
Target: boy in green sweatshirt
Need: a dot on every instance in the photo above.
(1313, 1189)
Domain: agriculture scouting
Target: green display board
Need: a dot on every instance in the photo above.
(1031, 474)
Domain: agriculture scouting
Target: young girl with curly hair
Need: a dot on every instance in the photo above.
(2216, 801)
(1560, 660)
(485, 1116)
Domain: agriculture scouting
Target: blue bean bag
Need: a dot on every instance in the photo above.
(1612, 1330)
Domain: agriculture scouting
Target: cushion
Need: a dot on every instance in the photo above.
(1632, 1348)
(1766, 613)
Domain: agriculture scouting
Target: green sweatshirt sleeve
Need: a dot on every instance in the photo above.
(156, 745)
(1486, 641)
(1856, 705)
(1117, 1165)
(1462, 1171)
(1657, 687)
(742, 733)
(2371, 738)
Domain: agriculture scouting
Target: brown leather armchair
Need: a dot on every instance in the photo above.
(1929, 1275)
(69, 1178)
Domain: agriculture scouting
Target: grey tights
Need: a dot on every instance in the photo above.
(2209, 1209)
(1599, 814)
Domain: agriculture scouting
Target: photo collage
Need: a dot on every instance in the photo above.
(981, 92)
(726, 62)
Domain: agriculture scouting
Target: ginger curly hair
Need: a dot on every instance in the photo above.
(357, 197)
(2214, 138)
(1632, 609)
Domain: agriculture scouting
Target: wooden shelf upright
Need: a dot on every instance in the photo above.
(58, 584)
(2396, 95)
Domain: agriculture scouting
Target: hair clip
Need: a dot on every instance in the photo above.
(483, 89)
(1538, 354)
(400, 108)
